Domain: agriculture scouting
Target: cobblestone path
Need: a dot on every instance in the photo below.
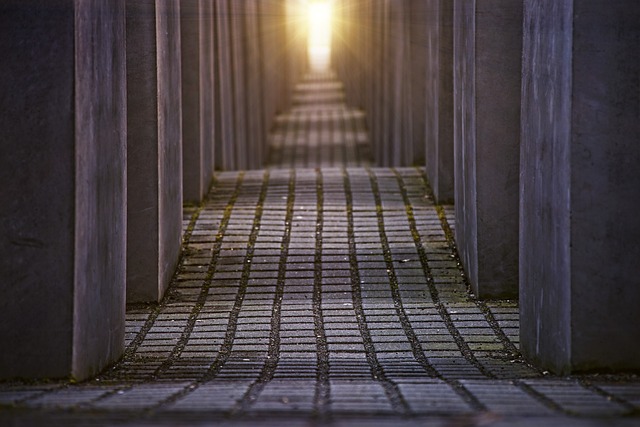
(326, 296)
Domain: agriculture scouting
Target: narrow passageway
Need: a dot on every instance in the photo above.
(321, 290)
(320, 130)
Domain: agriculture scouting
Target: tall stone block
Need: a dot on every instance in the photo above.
(63, 169)
(197, 120)
(438, 108)
(255, 126)
(239, 73)
(580, 186)
(419, 12)
(487, 78)
(207, 90)
(225, 141)
(154, 152)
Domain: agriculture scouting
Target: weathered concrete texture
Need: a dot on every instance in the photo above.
(381, 56)
(580, 186)
(256, 131)
(194, 156)
(273, 40)
(207, 90)
(225, 142)
(62, 165)
(487, 77)
(438, 108)
(154, 152)
(419, 12)
(239, 72)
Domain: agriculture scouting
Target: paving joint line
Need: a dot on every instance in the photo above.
(131, 349)
(546, 401)
(416, 349)
(232, 324)
(632, 410)
(137, 341)
(322, 393)
(440, 308)
(204, 290)
(273, 353)
(391, 389)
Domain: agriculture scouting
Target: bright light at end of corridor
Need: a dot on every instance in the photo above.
(320, 14)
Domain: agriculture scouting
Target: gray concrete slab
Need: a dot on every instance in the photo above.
(487, 76)
(195, 133)
(207, 90)
(580, 186)
(224, 144)
(418, 13)
(154, 147)
(437, 44)
(63, 204)
(240, 88)
(254, 86)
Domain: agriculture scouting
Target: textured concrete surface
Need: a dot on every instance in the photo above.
(63, 205)
(224, 146)
(395, 60)
(256, 132)
(487, 80)
(323, 296)
(240, 88)
(580, 185)
(100, 178)
(207, 88)
(154, 147)
(194, 120)
(437, 121)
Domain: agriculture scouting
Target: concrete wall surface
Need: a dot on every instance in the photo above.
(63, 209)
(193, 150)
(580, 186)
(487, 79)
(154, 149)
(418, 12)
(438, 105)
(381, 53)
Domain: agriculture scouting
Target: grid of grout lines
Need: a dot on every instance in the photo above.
(320, 130)
(321, 292)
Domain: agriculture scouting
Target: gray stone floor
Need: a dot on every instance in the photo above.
(325, 296)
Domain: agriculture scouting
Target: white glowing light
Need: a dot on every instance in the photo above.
(320, 14)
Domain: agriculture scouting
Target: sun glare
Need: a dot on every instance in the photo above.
(319, 36)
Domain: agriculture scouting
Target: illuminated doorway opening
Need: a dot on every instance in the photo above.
(319, 34)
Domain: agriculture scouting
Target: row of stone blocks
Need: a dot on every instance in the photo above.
(527, 113)
(111, 112)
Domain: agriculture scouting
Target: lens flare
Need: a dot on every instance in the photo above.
(319, 37)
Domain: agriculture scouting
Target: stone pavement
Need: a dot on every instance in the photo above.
(325, 296)
(320, 130)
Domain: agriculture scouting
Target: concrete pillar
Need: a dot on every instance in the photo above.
(418, 13)
(580, 186)
(376, 117)
(386, 99)
(256, 134)
(154, 152)
(197, 98)
(273, 56)
(225, 143)
(63, 203)
(403, 73)
(207, 90)
(239, 71)
(437, 30)
(487, 77)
